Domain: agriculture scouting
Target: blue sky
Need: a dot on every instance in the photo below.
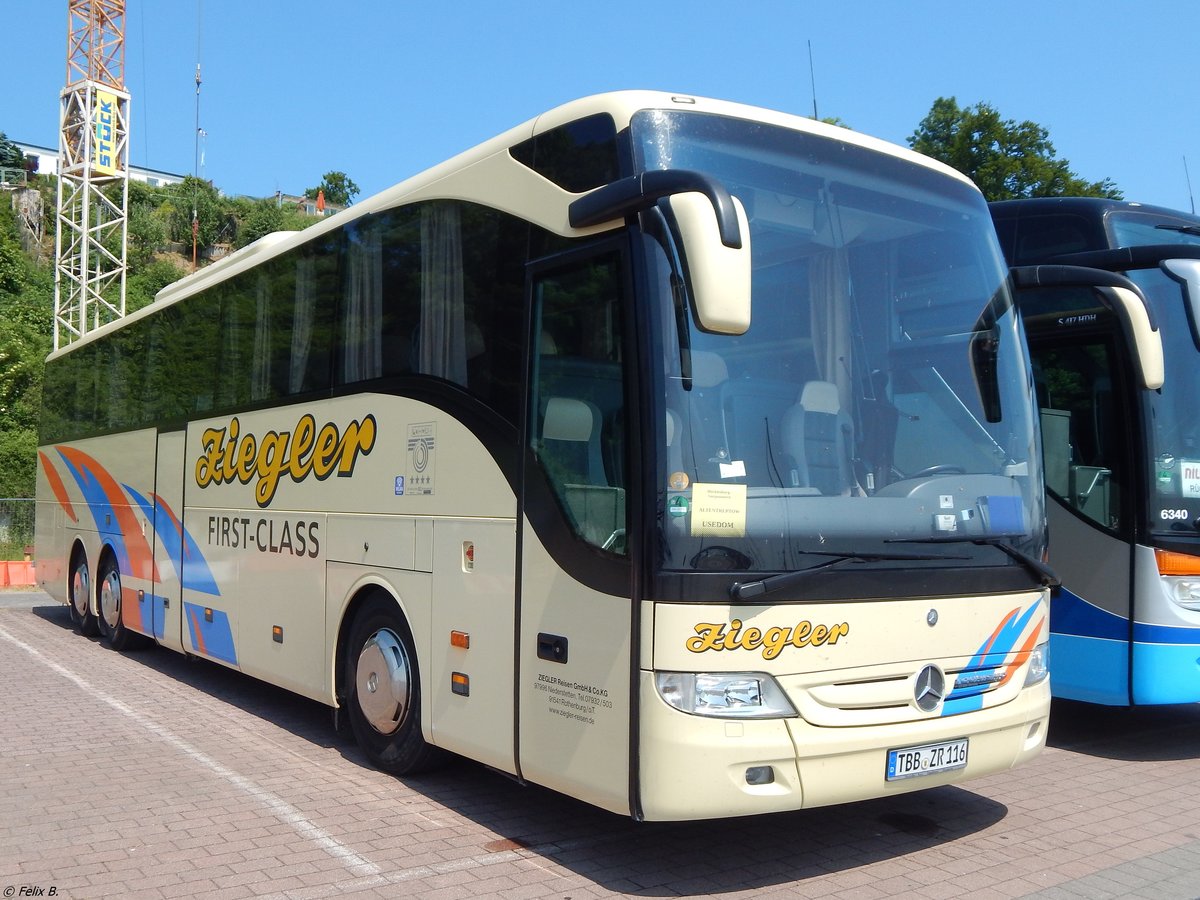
(381, 89)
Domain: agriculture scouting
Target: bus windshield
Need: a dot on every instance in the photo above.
(877, 407)
(1172, 426)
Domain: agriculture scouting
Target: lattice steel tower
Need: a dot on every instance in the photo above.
(93, 173)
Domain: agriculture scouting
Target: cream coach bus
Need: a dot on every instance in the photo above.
(673, 454)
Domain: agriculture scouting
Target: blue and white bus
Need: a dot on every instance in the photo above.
(1122, 461)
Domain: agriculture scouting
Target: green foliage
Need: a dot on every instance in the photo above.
(149, 218)
(26, 309)
(339, 189)
(198, 199)
(1005, 158)
(18, 464)
(264, 217)
(141, 287)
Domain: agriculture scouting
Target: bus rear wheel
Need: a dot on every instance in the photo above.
(81, 596)
(384, 690)
(109, 604)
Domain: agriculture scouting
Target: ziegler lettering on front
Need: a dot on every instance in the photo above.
(717, 636)
(227, 455)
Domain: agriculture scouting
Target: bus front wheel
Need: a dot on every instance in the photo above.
(384, 690)
(81, 596)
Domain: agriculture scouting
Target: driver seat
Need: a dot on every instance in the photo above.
(818, 435)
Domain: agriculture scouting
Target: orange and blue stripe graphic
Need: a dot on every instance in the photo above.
(112, 506)
(995, 662)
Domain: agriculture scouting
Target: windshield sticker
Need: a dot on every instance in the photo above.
(678, 481)
(719, 510)
(717, 636)
(735, 469)
(678, 507)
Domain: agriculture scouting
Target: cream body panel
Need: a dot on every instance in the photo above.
(464, 480)
(831, 636)
(474, 594)
(280, 582)
(852, 708)
(574, 716)
(695, 767)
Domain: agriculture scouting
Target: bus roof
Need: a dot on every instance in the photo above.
(1087, 206)
(488, 174)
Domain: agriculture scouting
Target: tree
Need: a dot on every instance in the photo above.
(339, 189)
(196, 194)
(10, 155)
(1005, 158)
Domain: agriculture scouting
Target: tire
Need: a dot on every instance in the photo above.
(383, 690)
(110, 619)
(80, 594)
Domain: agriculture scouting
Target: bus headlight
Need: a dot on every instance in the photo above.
(725, 695)
(1039, 665)
(1184, 591)
(1181, 577)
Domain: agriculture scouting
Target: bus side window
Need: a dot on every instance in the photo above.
(1082, 428)
(577, 424)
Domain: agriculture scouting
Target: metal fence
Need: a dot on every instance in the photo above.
(10, 177)
(16, 527)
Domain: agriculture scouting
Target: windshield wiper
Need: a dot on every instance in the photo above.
(744, 590)
(1046, 576)
(1182, 229)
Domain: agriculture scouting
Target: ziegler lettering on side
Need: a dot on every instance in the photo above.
(717, 636)
(227, 455)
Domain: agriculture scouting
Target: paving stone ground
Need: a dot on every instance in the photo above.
(147, 775)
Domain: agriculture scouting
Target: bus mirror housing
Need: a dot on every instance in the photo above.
(713, 229)
(1187, 273)
(719, 275)
(1117, 294)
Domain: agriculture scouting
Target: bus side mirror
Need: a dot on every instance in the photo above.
(713, 229)
(1117, 294)
(1187, 273)
(719, 274)
(1140, 331)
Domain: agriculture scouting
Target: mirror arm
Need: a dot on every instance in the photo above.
(637, 192)
(1075, 276)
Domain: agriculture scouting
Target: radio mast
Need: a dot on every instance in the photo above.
(93, 173)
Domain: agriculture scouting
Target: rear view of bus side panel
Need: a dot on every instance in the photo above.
(101, 491)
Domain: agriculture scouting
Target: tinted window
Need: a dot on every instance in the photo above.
(577, 157)
(433, 289)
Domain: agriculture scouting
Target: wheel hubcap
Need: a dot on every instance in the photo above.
(79, 592)
(110, 600)
(382, 680)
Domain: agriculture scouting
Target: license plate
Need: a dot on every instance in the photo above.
(911, 762)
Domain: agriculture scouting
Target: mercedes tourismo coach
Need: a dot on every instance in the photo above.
(1122, 459)
(673, 454)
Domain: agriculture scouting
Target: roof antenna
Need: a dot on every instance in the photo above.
(812, 79)
(1189, 184)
